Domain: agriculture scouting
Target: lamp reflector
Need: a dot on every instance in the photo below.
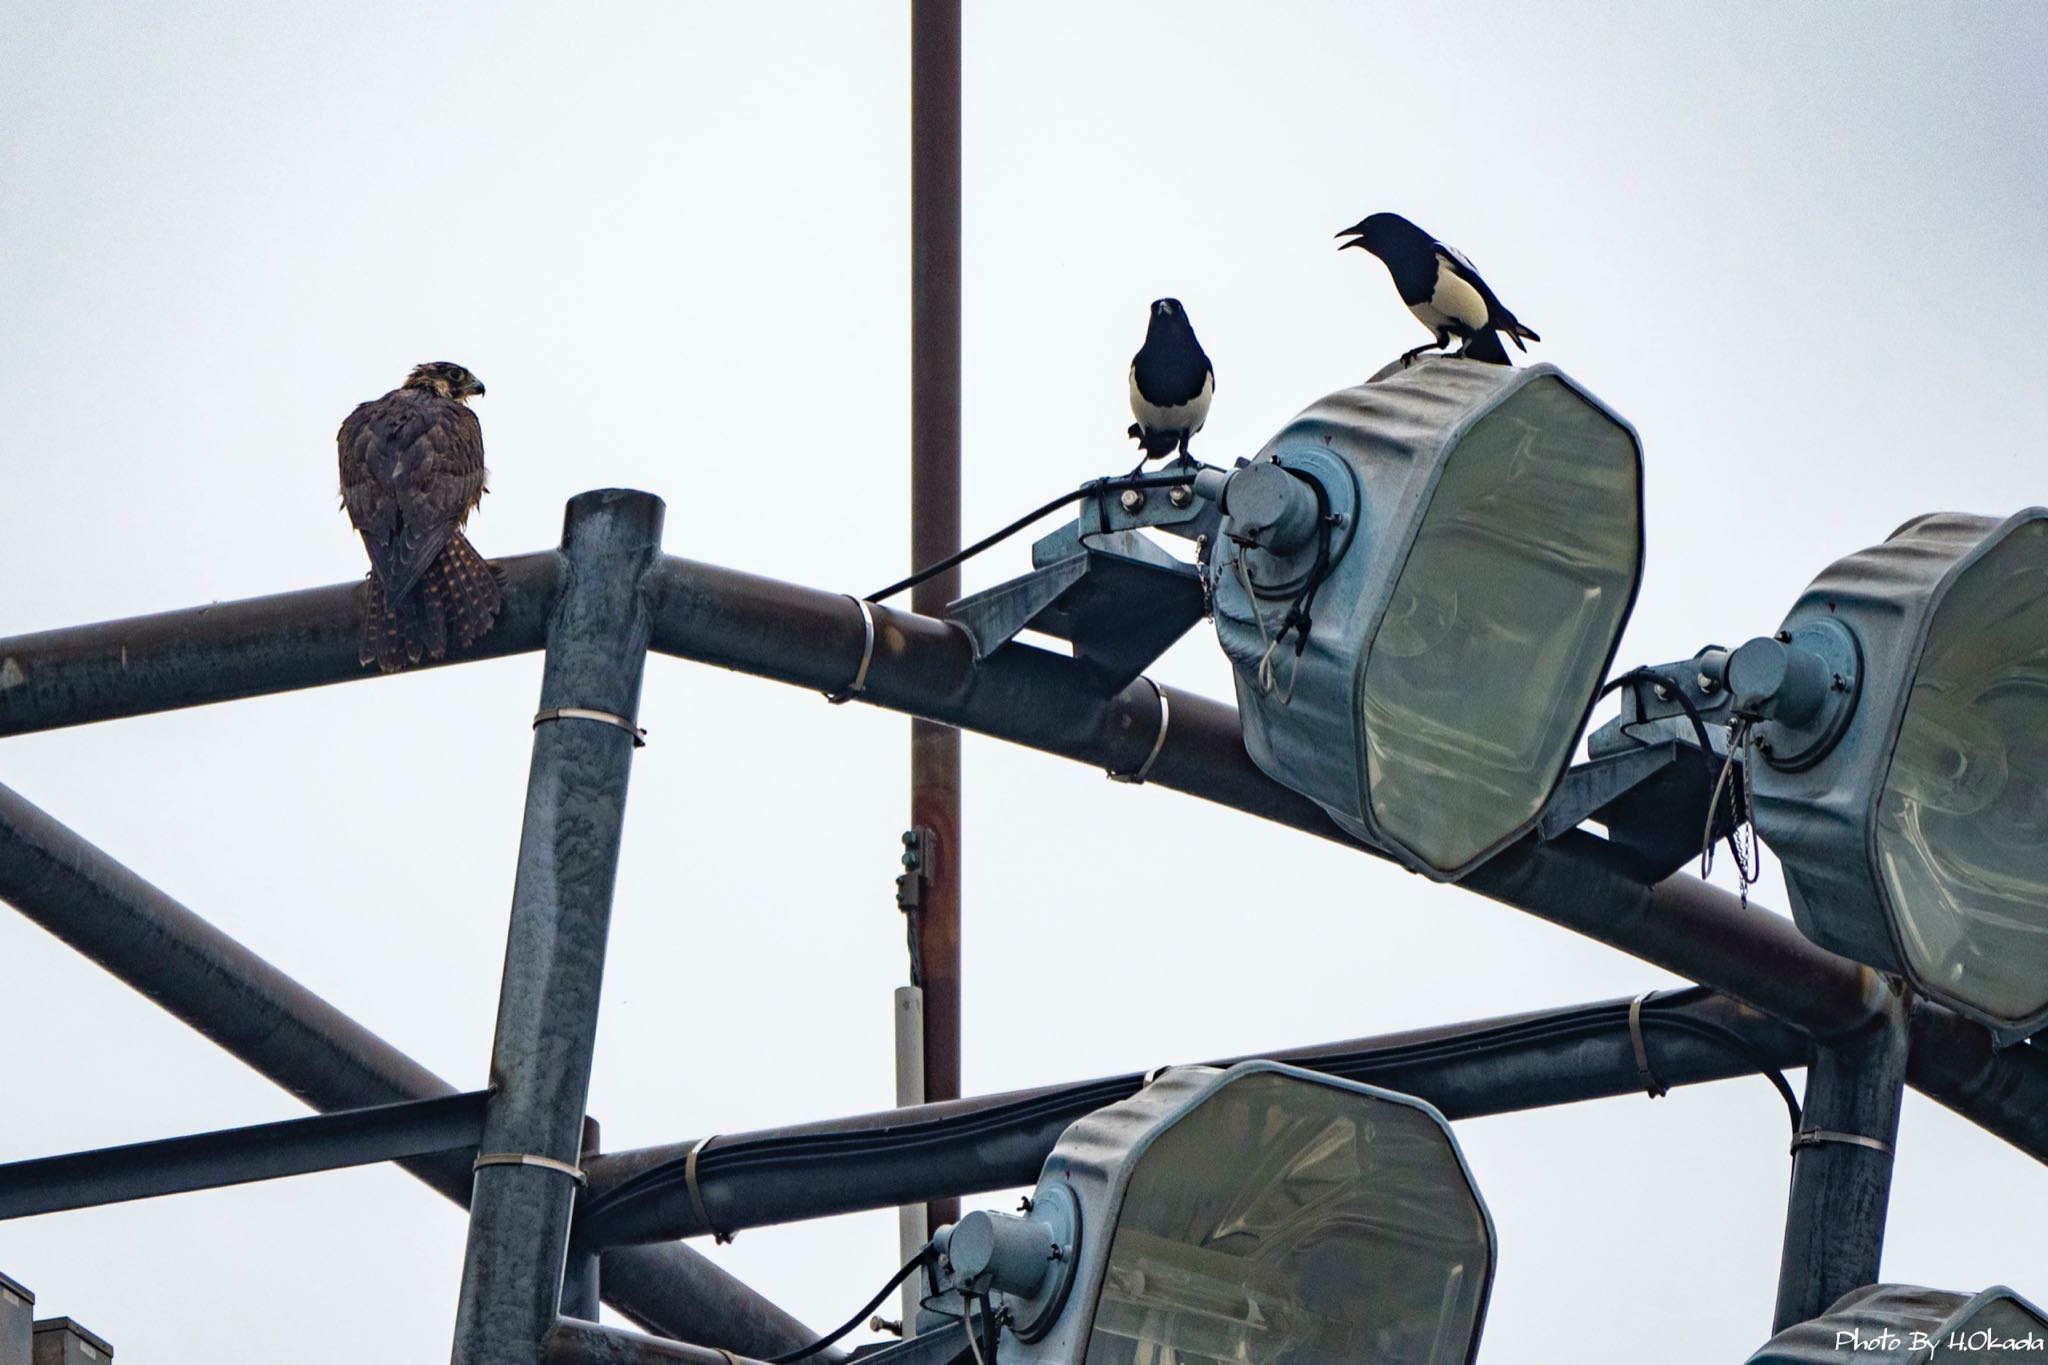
(1962, 824)
(1501, 623)
(1286, 1222)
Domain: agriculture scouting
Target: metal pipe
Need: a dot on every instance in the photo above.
(572, 1341)
(251, 648)
(1842, 1168)
(935, 512)
(298, 1040)
(582, 1272)
(994, 1142)
(583, 739)
(814, 639)
(236, 1156)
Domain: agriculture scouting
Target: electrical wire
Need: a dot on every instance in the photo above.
(802, 1352)
(1060, 1106)
(1093, 486)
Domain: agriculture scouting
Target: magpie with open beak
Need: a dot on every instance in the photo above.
(1441, 288)
(1171, 384)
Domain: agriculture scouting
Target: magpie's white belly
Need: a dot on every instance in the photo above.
(1455, 305)
(1187, 416)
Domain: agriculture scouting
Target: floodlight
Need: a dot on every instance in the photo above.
(1903, 1324)
(1901, 722)
(1421, 582)
(1261, 1215)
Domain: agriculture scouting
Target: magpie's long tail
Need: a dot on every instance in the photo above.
(1486, 346)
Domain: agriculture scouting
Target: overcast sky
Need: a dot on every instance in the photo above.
(1803, 248)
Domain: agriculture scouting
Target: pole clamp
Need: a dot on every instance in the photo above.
(546, 1163)
(867, 657)
(696, 1194)
(1138, 775)
(1814, 1137)
(585, 713)
(1653, 1086)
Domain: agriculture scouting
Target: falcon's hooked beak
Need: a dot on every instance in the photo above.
(478, 390)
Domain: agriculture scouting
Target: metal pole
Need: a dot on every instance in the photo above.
(298, 1040)
(913, 1228)
(584, 734)
(995, 1142)
(1842, 1168)
(581, 1275)
(935, 510)
(572, 1342)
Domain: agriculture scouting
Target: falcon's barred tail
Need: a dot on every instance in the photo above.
(459, 596)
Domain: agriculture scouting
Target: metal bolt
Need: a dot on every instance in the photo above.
(1708, 687)
(1783, 637)
(1024, 1204)
(1841, 683)
(1132, 500)
(1661, 692)
(1180, 495)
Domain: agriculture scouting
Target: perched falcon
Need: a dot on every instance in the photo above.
(412, 470)
(1171, 383)
(1440, 287)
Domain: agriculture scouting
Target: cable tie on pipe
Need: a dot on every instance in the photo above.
(546, 1163)
(1814, 1137)
(1138, 775)
(1652, 1086)
(696, 1194)
(867, 657)
(585, 713)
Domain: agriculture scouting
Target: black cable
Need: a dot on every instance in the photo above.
(858, 1318)
(930, 571)
(1072, 1102)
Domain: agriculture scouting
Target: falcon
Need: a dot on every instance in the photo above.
(412, 470)
(1441, 288)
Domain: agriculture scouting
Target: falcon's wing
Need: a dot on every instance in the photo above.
(412, 469)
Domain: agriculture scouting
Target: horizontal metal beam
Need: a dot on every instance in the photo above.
(145, 664)
(925, 667)
(237, 1156)
(574, 1342)
(992, 1142)
(303, 1043)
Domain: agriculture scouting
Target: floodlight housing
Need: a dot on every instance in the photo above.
(1262, 1215)
(1474, 537)
(1903, 1324)
(1904, 748)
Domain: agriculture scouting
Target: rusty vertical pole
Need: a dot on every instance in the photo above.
(935, 510)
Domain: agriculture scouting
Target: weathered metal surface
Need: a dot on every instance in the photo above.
(254, 647)
(576, 1342)
(999, 1141)
(1841, 1183)
(235, 1156)
(561, 915)
(304, 1044)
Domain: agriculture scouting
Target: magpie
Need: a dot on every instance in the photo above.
(1171, 384)
(1441, 288)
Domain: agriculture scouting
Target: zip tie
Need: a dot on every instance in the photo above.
(546, 1163)
(1655, 1088)
(697, 1195)
(585, 713)
(867, 656)
(1814, 1137)
(1144, 769)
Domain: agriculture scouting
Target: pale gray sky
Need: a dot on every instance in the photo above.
(1804, 248)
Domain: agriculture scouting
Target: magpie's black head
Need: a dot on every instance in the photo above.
(1168, 319)
(446, 378)
(1385, 234)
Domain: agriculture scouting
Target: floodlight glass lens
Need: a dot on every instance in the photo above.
(1289, 1223)
(1962, 824)
(1501, 624)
